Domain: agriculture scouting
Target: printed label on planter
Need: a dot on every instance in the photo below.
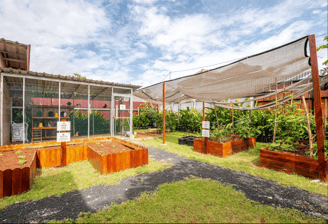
(122, 106)
(206, 133)
(63, 126)
(206, 124)
(64, 137)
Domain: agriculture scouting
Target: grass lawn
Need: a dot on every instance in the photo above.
(193, 200)
(247, 161)
(79, 175)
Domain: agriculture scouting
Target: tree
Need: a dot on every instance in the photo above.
(325, 63)
(77, 76)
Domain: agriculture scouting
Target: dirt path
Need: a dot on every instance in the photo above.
(94, 198)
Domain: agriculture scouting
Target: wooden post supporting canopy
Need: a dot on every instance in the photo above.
(318, 109)
(163, 113)
(206, 138)
(203, 111)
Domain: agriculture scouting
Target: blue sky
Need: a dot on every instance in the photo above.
(141, 41)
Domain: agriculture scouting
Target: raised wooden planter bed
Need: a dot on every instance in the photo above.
(108, 159)
(290, 163)
(223, 149)
(14, 178)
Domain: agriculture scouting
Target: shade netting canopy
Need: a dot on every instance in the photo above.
(253, 76)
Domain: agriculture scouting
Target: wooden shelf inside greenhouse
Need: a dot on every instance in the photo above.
(44, 128)
(45, 115)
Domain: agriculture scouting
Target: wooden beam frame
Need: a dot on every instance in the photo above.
(318, 109)
(14, 60)
(28, 55)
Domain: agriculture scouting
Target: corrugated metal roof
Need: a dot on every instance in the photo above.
(14, 54)
(63, 78)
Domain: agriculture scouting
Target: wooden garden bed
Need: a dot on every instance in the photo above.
(290, 163)
(223, 149)
(15, 178)
(116, 155)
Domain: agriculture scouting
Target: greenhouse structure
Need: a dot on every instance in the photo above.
(32, 103)
(39, 100)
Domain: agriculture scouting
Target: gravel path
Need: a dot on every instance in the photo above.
(98, 197)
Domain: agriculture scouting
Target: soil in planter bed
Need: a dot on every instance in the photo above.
(9, 159)
(224, 139)
(298, 150)
(105, 148)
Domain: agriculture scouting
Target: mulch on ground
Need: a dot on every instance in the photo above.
(9, 159)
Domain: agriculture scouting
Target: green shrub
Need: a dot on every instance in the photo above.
(190, 120)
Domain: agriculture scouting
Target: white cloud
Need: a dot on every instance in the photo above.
(316, 11)
(196, 40)
(104, 40)
(145, 1)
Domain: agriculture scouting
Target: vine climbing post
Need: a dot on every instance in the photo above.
(317, 109)
(309, 127)
(163, 113)
(275, 115)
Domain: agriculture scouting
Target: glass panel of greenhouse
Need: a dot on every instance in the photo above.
(32, 106)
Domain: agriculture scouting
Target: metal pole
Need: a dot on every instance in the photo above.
(11, 110)
(24, 110)
(178, 114)
(88, 111)
(163, 113)
(73, 119)
(131, 114)
(111, 115)
(318, 110)
(59, 98)
(1, 109)
(93, 116)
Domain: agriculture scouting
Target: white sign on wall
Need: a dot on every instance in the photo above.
(122, 106)
(64, 137)
(206, 133)
(63, 126)
(206, 124)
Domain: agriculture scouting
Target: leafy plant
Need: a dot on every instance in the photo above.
(98, 123)
(21, 157)
(18, 151)
(146, 117)
(221, 133)
(190, 120)
(325, 63)
(245, 128)
(113, 146)
(171, 119)
(315, 150)
(22, 162)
